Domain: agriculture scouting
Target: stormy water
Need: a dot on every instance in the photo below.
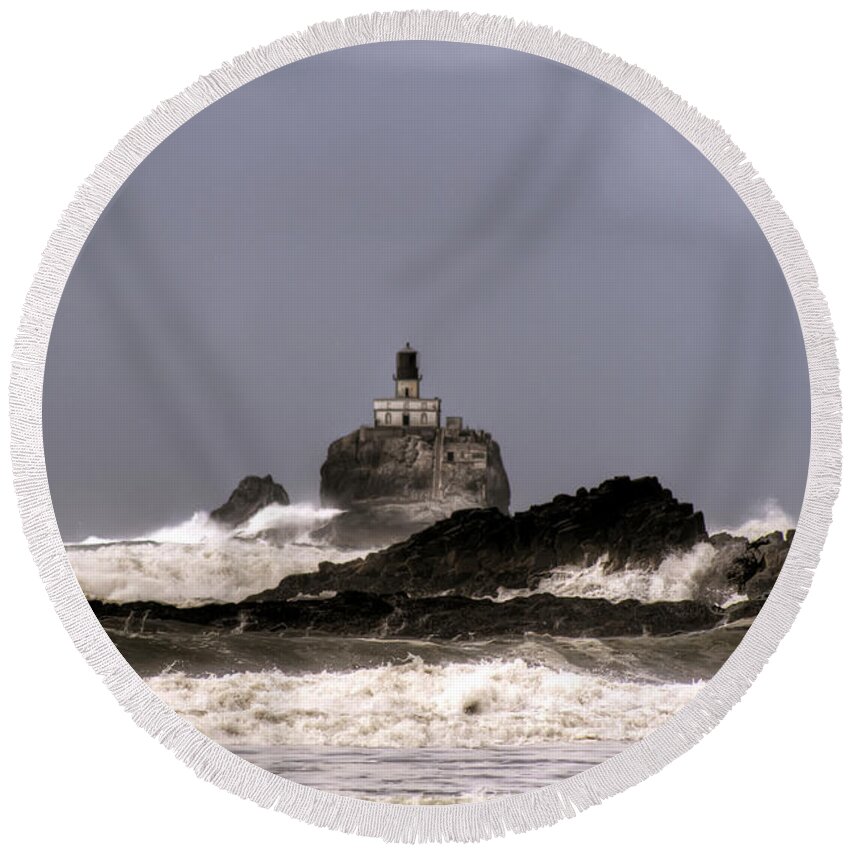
(402, 720)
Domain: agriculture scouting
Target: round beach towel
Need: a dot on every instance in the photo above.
(426, 424)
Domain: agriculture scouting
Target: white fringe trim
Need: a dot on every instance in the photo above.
(465, 822)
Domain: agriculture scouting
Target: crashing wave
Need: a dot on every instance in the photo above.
(299, 519)
(680, 576)
(422, 705)
(199, 561)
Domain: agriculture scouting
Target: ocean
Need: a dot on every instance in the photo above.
(423, 720)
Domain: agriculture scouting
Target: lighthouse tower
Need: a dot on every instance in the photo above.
(407, 409)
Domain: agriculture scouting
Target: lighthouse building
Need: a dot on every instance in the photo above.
(407, 409)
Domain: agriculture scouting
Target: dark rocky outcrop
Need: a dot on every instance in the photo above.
(631, 523)
(448, 617)
(750, 567)
(393, 482)
(252, 494)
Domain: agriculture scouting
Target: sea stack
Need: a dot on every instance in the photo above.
(251, 495)
(409, 469)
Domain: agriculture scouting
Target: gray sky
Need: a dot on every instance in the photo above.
(579, 280)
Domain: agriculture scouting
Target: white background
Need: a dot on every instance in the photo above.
(76, 77)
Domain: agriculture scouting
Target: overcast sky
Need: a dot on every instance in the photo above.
(578, 279)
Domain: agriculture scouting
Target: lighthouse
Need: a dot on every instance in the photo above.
(408, 468)
(407, 409)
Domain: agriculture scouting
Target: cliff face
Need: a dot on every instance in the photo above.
(393, 482)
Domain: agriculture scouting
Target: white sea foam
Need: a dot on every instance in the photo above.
(200, 561)
(677, 577)
(421, 705)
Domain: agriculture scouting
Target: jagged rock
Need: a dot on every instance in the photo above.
(251, 495)
(772, 551)
(750, 567)
(448, 617)
(729, 566)
(632, 523)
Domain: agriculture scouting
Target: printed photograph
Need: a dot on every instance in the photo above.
(426, 422)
